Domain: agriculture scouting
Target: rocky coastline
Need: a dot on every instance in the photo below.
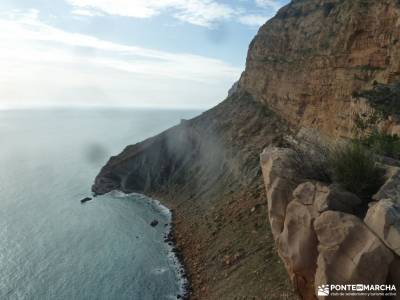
(207, 171)
(236, 229)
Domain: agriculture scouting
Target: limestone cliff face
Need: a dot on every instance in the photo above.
(306, 62)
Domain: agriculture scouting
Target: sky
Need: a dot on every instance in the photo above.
(140, 53)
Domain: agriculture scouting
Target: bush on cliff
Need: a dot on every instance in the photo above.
(384, 98)
(368, 132)
(384, 144)
(353, 166)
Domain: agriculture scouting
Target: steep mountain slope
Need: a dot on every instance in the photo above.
(207, 170)
(304, 69)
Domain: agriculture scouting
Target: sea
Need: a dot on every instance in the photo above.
(54, 247)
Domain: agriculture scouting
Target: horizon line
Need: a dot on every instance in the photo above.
(8, 107)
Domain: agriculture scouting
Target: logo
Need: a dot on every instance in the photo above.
(323, 290)
(370, 290)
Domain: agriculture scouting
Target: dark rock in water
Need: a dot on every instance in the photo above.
(154, 223)
(86, 199)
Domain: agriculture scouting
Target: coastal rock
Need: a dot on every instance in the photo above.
(86, 199)
(383, 219)
(154, 223)
(281, 176)
(349, 253)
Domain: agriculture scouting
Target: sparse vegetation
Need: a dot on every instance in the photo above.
(354, 167)
(352, 164)
(384, 144)
(370, 135)
(384, 98)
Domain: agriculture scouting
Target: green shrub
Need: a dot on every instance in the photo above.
(384, 98)
(353, 167)
(366, 131)
(383, 144)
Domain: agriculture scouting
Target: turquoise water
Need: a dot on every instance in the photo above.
(52, 246)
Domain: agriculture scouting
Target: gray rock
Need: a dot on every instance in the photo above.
(391, 188)
(383, 219)
(335, 198)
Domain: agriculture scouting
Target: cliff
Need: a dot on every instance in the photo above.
(207, 171)
(306, 68)
(308, 61)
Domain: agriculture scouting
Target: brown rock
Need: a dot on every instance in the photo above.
(307, 61)
(280, 178)
(297, 246)
(349, 253)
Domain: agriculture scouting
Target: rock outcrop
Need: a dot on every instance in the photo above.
(383, 216)
(349, 253)
(280, 177)
(321, 240)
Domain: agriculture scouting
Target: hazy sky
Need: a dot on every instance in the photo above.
(146, 53)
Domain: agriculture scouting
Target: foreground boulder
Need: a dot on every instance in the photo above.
(391, 188)
(281, 176)
(298, 238)
(383, 218)
(349, 253)
(317, 236)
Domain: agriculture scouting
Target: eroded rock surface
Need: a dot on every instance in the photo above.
(383, 218)
(281, 176)
(349, 253)
(307, 61)
(318, 238)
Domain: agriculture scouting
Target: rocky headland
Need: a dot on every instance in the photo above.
(243, 226)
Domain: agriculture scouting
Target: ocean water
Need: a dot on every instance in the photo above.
(54, 247)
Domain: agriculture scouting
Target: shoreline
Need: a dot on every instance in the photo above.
(169, 238)
(215, 189)
(178, 258)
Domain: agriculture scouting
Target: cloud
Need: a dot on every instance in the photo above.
(254, 20)
(86, 12)
(45, 64)
(274, 4)
(198, 12)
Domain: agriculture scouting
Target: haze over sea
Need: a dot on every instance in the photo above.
(54, 247)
